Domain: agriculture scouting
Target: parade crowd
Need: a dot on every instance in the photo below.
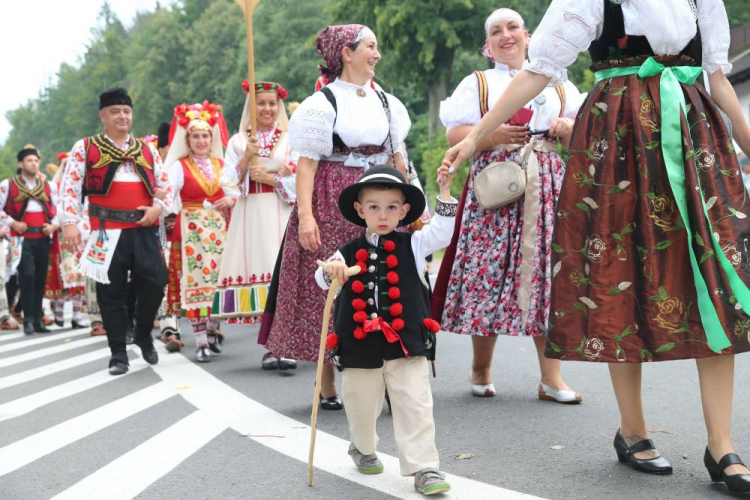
(631, 251)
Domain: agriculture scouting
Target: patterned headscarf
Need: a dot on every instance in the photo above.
(332, 40)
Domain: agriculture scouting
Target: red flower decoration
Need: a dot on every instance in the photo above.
(213, 264)
(394, 293)
(218, 242)
(362, 267)
(266, 86)
(246, 86)
(199, 257)
(361, 255)
(360, 333)
(389, 246)
(392, 277)
(391, 261)
(431, 325)
(192, 226)
(398, 324)
(360, 316)
(396, 309)
(358, 287)
(622, 43)
(332, 340)
(359, 304)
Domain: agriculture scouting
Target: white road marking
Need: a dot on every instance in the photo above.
(49, 351)
(5, 337)
(43, 371)
(42, 340)
(27, 450)
(225, 404)
(29, 403)
(148, 462)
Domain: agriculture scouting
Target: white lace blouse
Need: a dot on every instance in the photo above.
(569, 27)
(361, 121)
(462, 107)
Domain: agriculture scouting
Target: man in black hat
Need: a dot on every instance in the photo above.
(384, 334)
(120, 175)
(28, 209)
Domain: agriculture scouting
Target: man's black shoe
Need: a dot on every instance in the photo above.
(117, 367)
(40, 328)
(150, 355)
(28, 327)
(129, 336)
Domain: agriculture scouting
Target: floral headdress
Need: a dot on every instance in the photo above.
(204, 116)
(151, 139)
(266, 87)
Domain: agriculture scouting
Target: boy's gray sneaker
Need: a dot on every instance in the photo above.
(431, 481)
(366, 464)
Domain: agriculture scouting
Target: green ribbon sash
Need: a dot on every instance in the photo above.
(672, 103)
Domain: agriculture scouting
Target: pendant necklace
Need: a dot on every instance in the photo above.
(361, 93)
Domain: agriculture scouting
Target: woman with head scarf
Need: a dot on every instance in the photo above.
(198, 238)
(648, 261)
(266, 193)
(339, 132)
(495, 285)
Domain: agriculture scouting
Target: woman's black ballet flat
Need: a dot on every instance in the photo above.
(332, 403)
(736, 483)
(658, 465)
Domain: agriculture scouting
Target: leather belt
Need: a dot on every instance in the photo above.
(114, 214)
(34, 230)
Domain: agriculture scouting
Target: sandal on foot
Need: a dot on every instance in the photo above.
(546, 393)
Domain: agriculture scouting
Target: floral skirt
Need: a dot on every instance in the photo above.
(482, 290)
(295, 331)
(623, 288)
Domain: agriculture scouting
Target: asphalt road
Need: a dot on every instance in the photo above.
(228, 429)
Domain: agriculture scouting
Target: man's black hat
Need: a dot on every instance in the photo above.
(27, 150)
(115, 97)
(163, 135)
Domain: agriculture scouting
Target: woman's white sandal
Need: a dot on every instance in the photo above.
(482, 391)
(565, 397)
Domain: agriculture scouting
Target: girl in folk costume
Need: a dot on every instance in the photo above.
(199, 234)
(496, 277)
(648, 262)
(339, 132)
(64, 282)
(266, 196)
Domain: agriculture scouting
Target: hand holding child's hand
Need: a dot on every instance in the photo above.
(445, 179)
(337, 270)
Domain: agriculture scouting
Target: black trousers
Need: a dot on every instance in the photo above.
(32, 276)
(137, 253)
(11, 289)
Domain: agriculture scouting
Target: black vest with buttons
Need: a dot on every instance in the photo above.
(370, 351)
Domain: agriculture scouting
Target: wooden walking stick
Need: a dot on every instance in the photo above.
(248, 6)
(321, 356)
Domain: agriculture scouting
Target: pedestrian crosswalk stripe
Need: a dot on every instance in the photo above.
(41, 340)
(5, 337)
(145, 464)
(225, 404)
(29, 403)
(27, 450)
(52, 368)
(49, 351)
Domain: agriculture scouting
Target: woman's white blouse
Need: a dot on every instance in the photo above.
(462, 108)
(361, 121)
(569, 27)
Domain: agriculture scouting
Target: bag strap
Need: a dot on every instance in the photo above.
(332, 99)
(561, 94)
(484, 94)
(387, 109)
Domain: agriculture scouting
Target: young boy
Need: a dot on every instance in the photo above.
(384, 335)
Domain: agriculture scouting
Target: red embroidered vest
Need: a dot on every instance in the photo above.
(16, 208)
(104, 158)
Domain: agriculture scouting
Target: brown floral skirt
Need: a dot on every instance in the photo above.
(623, 288)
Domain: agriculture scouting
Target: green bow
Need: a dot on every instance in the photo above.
(672, 103)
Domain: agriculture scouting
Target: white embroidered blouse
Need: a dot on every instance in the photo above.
(360, 121)
(462, 107)
(569, 27)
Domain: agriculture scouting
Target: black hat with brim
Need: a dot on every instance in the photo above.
(115, 97)
(27, 152)
(382, 175)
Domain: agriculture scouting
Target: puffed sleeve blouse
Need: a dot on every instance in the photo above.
(462, 107)
(360, 121)
(569, 27)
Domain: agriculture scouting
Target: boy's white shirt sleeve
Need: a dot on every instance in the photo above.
(432, 237)
(320, 275)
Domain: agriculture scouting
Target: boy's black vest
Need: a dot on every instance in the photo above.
(415, 339)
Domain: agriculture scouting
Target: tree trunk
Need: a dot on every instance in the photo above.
(439, 88)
